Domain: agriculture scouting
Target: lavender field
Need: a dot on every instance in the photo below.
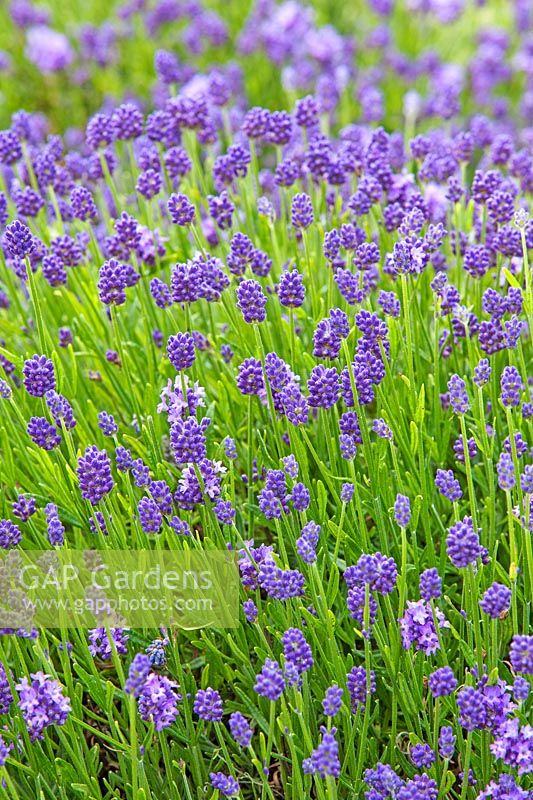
(266, 318)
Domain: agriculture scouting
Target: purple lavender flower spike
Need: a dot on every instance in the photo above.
(54, 527)
(208, 705)
(360, 685)
(240, 729)
(446, 742)
(291, 290)
(269, 681)
(521, 654)
(511, 387)
(150, 516)
(302, 214)
(250, 610)
(100, 642)
(39, 376)
(180, 351)
(227, 785)
(332, 702)
(43, 434)
(402, 511)
(18, 240)
(158, 700)
(42, 703)
(24, 507)
(10, 534)
(496, 601)
(324, 760)
(448, 485)
(430, 584)
(463, 544)
(442, 682)
(422, 756)
(251, 301)
(417, 627)
(458, 396)
(94, 474)
(181, 210)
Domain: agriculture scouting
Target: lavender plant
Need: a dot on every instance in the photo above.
(265, 287)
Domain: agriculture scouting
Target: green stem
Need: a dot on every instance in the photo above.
(408, 334)
(468, 467)
(133, 745)
(466, 765)
(473, 598)
(36, 307)
(250, 469)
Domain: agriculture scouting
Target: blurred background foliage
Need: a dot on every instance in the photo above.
(126, 69)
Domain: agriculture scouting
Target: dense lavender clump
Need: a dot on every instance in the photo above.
(288, 277)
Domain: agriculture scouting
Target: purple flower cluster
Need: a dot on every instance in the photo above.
(102, 642)
(463, 544)
(307, 542)
(54, 527)
(496, 601)
(417, 626)
(42, 703)
(377, 252)
(39, 377)
(458, 396)
(430, 584)
(511, 386)
(402, 511)
(269, 681)
(332, 702)
(227, 785)
(296, 650)
(180, 351)
(208, 705)
(6, 696)
(278, 583)
(442, 682)
(240, 729)
(251, 301)
(156, 695)
(114, 278)
(422, 756)
(137, 674)
(94, 474)
(24, 507)
(448, 485)
(10, 534)
(521, 654)
(43, 434)
(375, 570)
(324, 760)
(360, 684)
(158, 700)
